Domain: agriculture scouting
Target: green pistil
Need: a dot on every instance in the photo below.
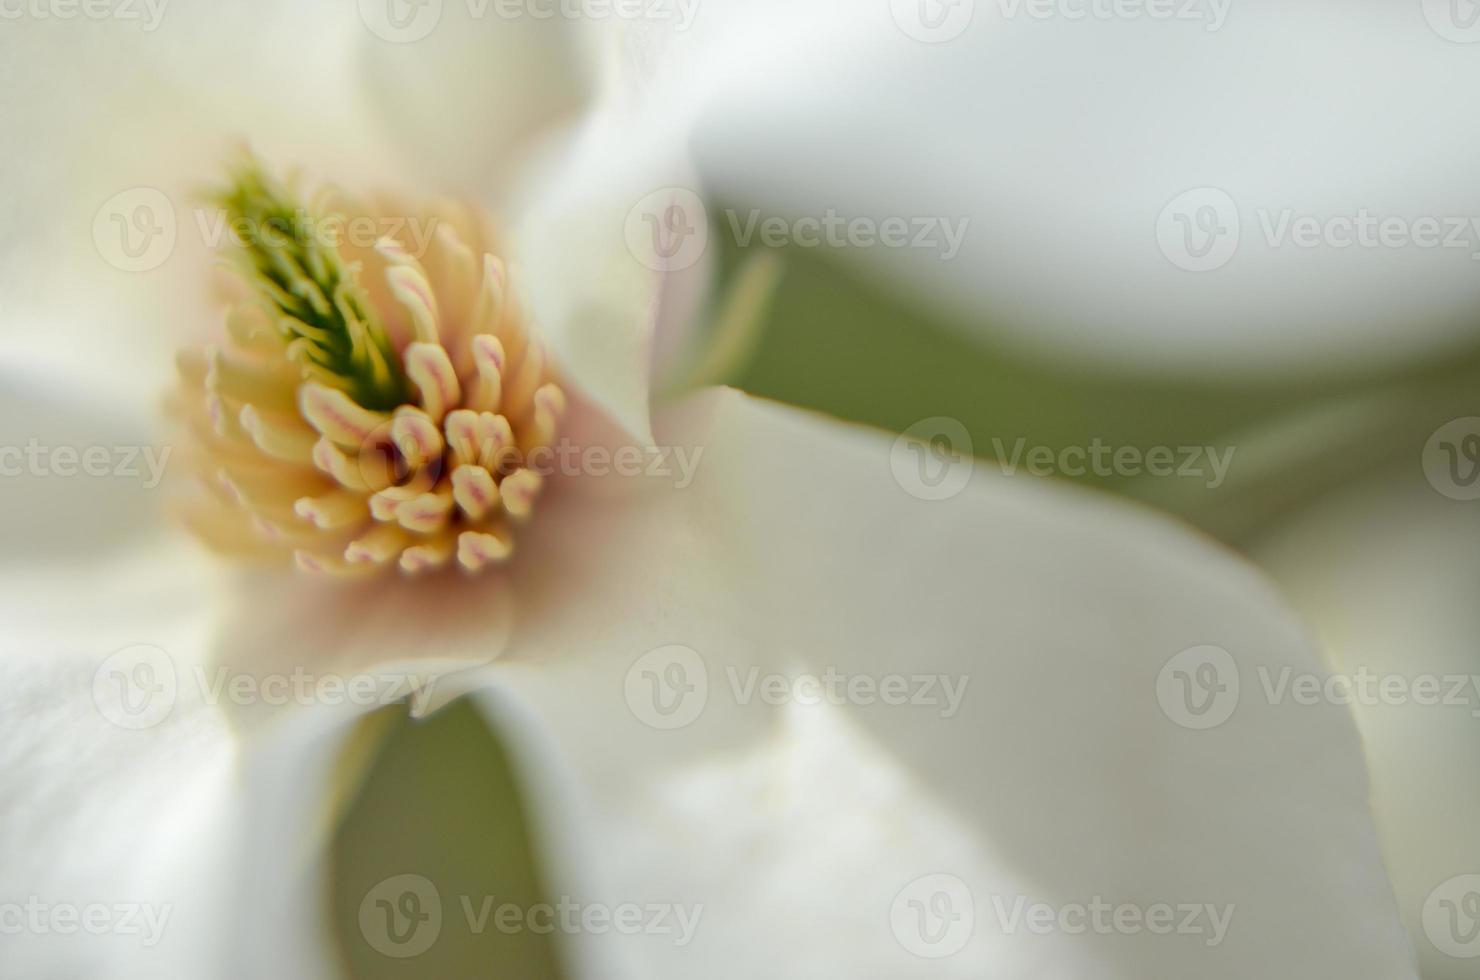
(325, 315)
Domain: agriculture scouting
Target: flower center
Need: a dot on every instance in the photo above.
(377, 398)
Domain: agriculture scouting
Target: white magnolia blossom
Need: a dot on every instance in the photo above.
(1063, 759)
(1209, 188)
(1385, 569)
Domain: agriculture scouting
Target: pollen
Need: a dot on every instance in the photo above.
(376, 396)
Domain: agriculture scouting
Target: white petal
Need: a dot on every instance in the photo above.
(1064, 777)
(1386, 572)
(463, 90)
(111, 129)
(1062, 141)
(107, 771)
(128, 793)
(613, 247)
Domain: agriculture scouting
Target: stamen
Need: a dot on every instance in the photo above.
(477, 549)
(279, 439)
(327, 440)
(337, 418)
(431, 371)
(475, 491)
(518, 492)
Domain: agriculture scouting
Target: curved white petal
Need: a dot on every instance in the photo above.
(1062, 775)
(1060, 142)
(613, 251)
(110, 130)
(113, 769)
(172, 772)
(1386, 572)
(146, 834)
(96, 811)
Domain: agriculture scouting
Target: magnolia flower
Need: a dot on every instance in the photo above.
(1243, 190)
(1384, 568)
(848, 714)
